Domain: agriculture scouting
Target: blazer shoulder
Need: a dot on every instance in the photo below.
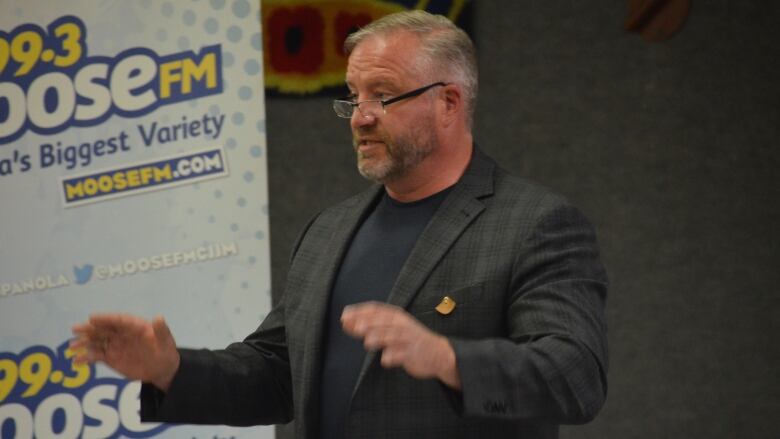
(527, 194)
(330, 217)
(302, 234)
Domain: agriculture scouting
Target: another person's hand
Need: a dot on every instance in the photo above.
(134, 347)
(403, 340)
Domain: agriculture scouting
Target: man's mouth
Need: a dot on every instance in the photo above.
(366, 144)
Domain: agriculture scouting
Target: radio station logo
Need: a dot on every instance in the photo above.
(44, 394)
(49, 83)
(169, 172)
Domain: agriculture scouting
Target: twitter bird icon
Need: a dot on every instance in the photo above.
(83, 274)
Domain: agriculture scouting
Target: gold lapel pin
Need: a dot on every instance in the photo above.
(445, 306)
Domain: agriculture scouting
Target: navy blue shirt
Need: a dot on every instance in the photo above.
(370, 267)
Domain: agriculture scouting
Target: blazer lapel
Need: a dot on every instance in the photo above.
(344, 225)
(457, 211)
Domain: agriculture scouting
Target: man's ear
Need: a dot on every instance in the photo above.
(451, 103)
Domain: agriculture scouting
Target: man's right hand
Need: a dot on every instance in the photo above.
(134, 347)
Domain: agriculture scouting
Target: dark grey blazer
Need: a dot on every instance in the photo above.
(528, 328)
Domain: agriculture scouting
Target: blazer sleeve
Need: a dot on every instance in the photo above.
(247, 383)
(553, 364)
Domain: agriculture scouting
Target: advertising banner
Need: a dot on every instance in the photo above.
(132, 179)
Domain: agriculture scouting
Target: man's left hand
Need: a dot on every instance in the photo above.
(402, 340)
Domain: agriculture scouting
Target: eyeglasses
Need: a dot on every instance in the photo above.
(372, 107)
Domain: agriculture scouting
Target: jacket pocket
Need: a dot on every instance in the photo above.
(473, 314)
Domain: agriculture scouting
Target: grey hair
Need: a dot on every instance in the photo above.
(443, 45)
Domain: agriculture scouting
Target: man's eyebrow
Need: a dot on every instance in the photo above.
(383, 82)
(380, 82)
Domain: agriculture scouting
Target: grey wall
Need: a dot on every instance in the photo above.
(669, 148)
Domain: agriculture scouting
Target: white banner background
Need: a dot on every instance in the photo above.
(132, 253)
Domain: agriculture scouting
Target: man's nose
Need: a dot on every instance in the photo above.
(360, 119)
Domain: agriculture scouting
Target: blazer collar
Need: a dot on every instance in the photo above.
(478, 178)
(457, 211)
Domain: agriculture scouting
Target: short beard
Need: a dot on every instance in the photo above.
(403, 155)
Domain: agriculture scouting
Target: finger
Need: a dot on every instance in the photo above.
(104, 320)
(392, 358)
(383, 331)
(88, 339)
(96, 345)
(89, 345)
(361, 328)
(81, 328)
(116, 323)
(162, 332)
(79, 348)
(373, 341)
(364, 310)
(93, 356)
(361, 318)
(80, 359)
(356, 308)
(87, 351)
(386, 337)
(87, 336)
(367, 309)
(93, 340)
(87, 332)
(78, 344)
(352, 316)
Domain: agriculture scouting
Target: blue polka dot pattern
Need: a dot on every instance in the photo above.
(228, 59)
(235, 26)
(257, 41)
(167, 9)
(217, 4)
(252, 67)
(245, 93)
(183, 43)
(234, 33)
(188, 17)
(241, 8)
(211, 25)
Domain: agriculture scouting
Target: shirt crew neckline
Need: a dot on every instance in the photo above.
(409, 204)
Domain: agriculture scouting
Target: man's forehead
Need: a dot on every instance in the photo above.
(384, 54)
(394, 41)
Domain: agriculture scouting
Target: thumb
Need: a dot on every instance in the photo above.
(161, 331)
(169, 359)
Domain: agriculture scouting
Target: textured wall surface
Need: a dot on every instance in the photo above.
(670, 149)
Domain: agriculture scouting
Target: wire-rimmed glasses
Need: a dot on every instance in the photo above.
(374, 107)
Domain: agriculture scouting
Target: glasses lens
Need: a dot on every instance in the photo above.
(371, 108)
(343, 108)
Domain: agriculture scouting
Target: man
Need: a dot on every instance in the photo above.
(451, 300)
